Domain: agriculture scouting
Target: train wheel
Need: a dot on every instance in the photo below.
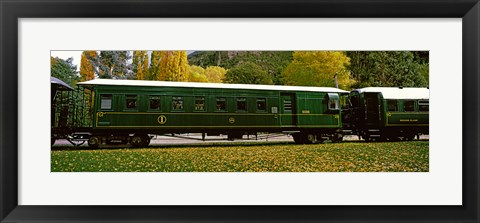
(368, 139)
(311, 138)
(408, 137)
(146, 140)
(337, 138)
(137, 141)
(298, 138)
(93, 142)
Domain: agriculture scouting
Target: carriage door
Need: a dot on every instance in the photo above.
(372, 109)
(288, 111)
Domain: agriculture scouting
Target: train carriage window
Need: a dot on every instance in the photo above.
(333, 104)
(423, 105)
(392, 105)
(241, 104)
(408, 106)
(199, 103)
(177, 103)
(333, 101)
(106, 101)
(261, 105)
(131, 101)
(221, 104)
(154, 102)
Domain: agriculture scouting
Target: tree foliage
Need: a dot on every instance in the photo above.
(140, 65)
(248, 73)
(154, 70)
(64, 70)
(212, 74)
(113, 65)
(196, 74)
(389, 68)
(87, 68)
(173, 66)
(271, 61)
(318, 68)
(215, 74)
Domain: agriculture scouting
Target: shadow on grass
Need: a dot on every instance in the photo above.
(206, 145)
(186, 145)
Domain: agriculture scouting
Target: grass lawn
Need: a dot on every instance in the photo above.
(257, 157)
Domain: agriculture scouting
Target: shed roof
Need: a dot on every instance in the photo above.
(61, 85)
(207, 85)
(399, 93)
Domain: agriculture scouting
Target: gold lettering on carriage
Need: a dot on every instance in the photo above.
(409, 120)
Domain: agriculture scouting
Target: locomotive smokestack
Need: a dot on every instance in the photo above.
(336, 80)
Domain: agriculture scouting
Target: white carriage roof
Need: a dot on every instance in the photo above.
(207, 85)
(399, 93)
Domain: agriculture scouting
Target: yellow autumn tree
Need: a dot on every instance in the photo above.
(173, 66)
(318, 68)
(196, 74)
(215, 74)
(87, 70)
(140, 64)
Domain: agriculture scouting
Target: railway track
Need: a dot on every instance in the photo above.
(192, 139)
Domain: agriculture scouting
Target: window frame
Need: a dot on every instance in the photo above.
(219, 99)
(182, 104)
(405, 103)
(424, 103)
(396, 105)
(257, 103)
(245, 104)
(126, 104)
(335, 98)
(101, 102)
(150, 103)
(195, 99)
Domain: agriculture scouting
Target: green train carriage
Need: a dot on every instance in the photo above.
(129, 111)
(388, 113)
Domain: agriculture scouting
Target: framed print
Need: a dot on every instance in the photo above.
(40, 183)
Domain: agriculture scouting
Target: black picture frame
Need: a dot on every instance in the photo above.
(11, 11)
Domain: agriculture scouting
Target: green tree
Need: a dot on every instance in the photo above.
(154, 70)
(205, 58)
(64, 70)
(113, 65)
(173, 66)
(248, 73)
(140, 65)
(318, 68)
(389, 68)
(87, 68)
(274, 62)
(67, 72)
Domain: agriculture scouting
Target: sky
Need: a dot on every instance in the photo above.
(77, 55)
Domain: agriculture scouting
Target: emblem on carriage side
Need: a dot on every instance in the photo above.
(162, 119)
